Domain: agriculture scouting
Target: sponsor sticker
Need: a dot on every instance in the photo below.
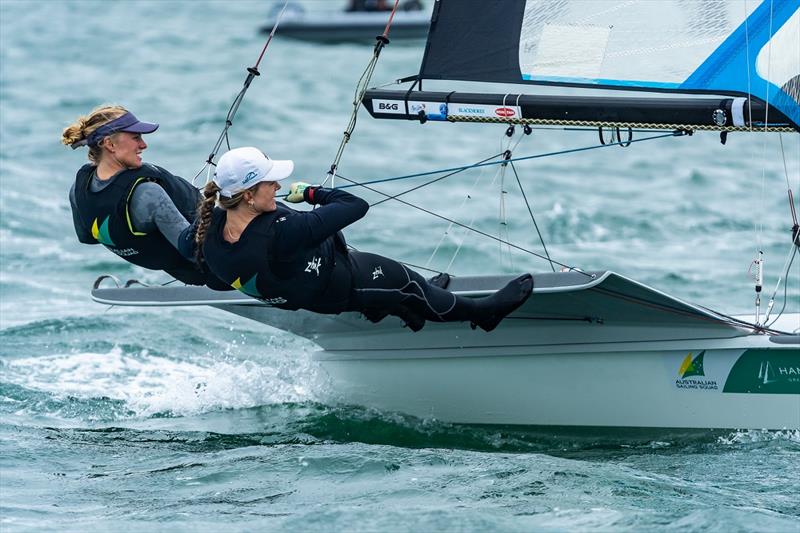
(762, 371)
(691, 373)
(490, 111)
(440, 110)
(749, 371)
(393, 107)
(432, 110)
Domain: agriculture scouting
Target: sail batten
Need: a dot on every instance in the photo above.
(749, 49)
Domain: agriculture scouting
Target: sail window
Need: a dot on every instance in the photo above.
(778, 61)
(655, 44)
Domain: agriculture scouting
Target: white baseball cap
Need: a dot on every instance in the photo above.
(241, 168)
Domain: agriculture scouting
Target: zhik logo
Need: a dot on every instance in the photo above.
(314, 264)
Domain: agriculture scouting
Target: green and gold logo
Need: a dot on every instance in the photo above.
(692, 367)
(101, 233)
(248, 288)
(690, 372)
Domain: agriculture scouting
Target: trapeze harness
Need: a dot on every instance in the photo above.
(106, 213)
(299, 260)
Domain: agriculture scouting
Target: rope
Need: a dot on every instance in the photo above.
(485, 163)
(508, 147)
(467, 197)
(440, 178)
(465, 226)
(361, 88)
(788, 183)
(252, 72)
(535, 225)
(784, 277)
(747, 61)
(601, 123)
(355, 183)
(463, 238)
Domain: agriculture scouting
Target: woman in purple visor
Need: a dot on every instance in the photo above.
(138, 210)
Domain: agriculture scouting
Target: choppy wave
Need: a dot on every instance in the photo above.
(131, 380)
(290, 473)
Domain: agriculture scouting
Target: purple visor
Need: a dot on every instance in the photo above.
(127, 122)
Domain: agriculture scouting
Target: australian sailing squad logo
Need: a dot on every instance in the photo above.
(691, 374)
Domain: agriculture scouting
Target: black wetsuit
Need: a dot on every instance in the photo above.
(299, 260)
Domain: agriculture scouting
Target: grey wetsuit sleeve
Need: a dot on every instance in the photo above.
(152, 209)
(84, 234)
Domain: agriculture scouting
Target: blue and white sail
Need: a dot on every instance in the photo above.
(715, 46)
(744, 48)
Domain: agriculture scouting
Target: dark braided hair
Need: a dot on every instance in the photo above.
(206, 208)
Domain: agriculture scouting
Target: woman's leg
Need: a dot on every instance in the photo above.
(384, 286)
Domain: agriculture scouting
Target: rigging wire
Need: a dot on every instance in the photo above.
(784, 277)
(354, 183)
(533, 219)
(440, 178)
(252, 72)
(361, 88)
(747, 59)
(484, 163)
(792, 209)
(503, 226)
(759, 223)
(446, 232)
(456, 223)
(472, 221)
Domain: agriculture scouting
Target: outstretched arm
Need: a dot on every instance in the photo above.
(338, 209)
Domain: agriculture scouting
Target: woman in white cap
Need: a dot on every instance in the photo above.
(299, 260)
(137, 210)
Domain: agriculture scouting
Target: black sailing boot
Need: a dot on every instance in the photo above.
(441, 280)
(493, 309)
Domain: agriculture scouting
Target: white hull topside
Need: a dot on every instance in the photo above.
(593, 349)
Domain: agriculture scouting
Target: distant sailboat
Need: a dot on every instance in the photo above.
(352, 25)
(588, 348)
